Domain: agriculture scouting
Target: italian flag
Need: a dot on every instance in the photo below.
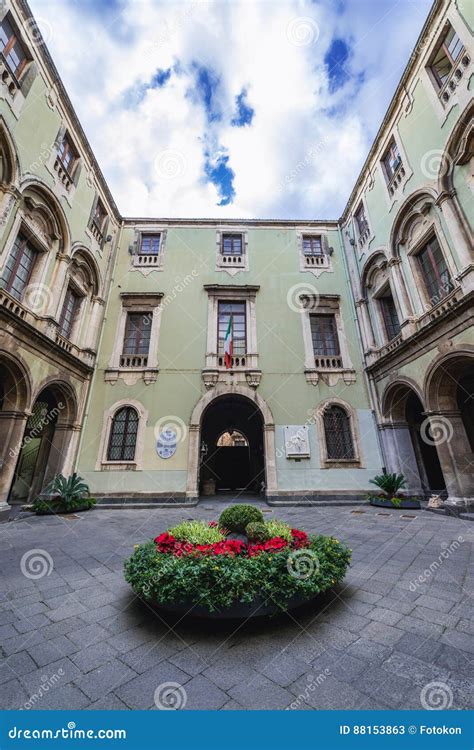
(228, 345)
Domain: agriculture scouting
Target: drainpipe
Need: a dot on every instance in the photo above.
(110, 268)
(368, 383)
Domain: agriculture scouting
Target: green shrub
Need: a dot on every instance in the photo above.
(44, 506)
(278, 528)
(237, 517)
(257, 532)
(391, 484)
(217, 582)
(196, 532)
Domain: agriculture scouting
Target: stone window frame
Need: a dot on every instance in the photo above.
(143, 302)
(413, 248)
(152, 262)
(325, 304)
(305, 266)
(16, 90)
(229, 266)
(394, 185)
(339, 463)
(96, 235)
(65, 183)
(459, 93)
(44, 250)
(380, 280)
(103, 463)
(213, 372)
(363, 240)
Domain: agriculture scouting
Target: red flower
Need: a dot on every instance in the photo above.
(300, 538)
(165, 542)
(212, 524)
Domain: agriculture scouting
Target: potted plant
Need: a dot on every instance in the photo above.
(64, 495)
(391, 486)
(237, 567)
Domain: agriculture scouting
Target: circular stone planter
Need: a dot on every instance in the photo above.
(237, 611)
(385, 502)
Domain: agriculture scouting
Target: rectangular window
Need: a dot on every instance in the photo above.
(231, 244)
(150, 244)
(361, 220)
(137, 333)
(19, 267)
(99, 215)
(312, 245)
(446, 56)
(236, 312)
(390, 315)
(435, 271)
(68, 313)
(324, 335)
(67, 155)
(11, 48)
(392, 160)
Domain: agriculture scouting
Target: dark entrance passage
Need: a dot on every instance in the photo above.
(232, 452)
(424, 447)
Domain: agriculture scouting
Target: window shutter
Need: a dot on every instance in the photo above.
(324, 244)
(94, 206)
(60, 136)
(77, 171)
(104, 232)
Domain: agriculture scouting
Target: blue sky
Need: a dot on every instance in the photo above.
(249, 108)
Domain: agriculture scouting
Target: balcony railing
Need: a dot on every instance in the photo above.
(312, 261)
(145, 259)
(328, 363)
(457, 73)
(239, 361)
(63, 174)
(134, 360)
(396, 179)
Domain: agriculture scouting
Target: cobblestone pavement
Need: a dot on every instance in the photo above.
(396, 634)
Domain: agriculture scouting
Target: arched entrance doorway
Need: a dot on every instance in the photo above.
(410, 447)
(14, 401)
(236, 410)
(450, 398)
(44, 446)
(232, 449)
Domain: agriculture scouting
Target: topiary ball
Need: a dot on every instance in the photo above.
(257, 532)
(237, 517)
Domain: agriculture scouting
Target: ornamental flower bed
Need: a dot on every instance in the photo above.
(209, 568)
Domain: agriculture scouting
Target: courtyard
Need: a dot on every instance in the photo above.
(397, 633)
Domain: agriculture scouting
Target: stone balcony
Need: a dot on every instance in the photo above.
(458, 73)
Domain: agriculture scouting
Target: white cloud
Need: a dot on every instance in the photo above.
(296, 159)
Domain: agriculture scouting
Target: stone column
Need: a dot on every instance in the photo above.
(456, 228)
(456, 458)
(58, 280)
(366, 324)
(270, 462)
(12, 428)
(93, 324)
(192, 482)
(400, 455)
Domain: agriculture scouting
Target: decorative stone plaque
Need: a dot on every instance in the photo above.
(297, 441)
(166, 443)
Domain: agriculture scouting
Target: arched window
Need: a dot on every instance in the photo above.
(123, 435)
(337, 431)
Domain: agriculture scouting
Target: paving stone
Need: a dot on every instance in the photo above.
(88, 635)
(282, 668)
(99, 614)
(436, 603)
(261, 694)
(386, 616)
(130, 639)
(65, 611)
(419, 646)
(226, 675)
(189, 661)
(327, 694)
(61, 700)
(25, 625)
(383, 686)
(105, 679)
(466, 626)
(57, 674)
(13, 695)
(397, 605)
(458, 640)
(381, 633)
(93, 656)
(139, 693)
(50, 651)
(22, 642)
(109, 703)
(369, 651)
(422, 627)
(202, 694)
(342, 665)
(16, 665)
(148, 655)
(413, 669)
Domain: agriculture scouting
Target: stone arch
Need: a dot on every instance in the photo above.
(15, 400)
(377, 260)
(65, 394)
(442, 375)
(459, 148)
(17, 393)
(412, 211)
(43, 209)
(221, 390)
(395, 396)
(351, 413)
(109, 414)
(9, 161)
(86, 263)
